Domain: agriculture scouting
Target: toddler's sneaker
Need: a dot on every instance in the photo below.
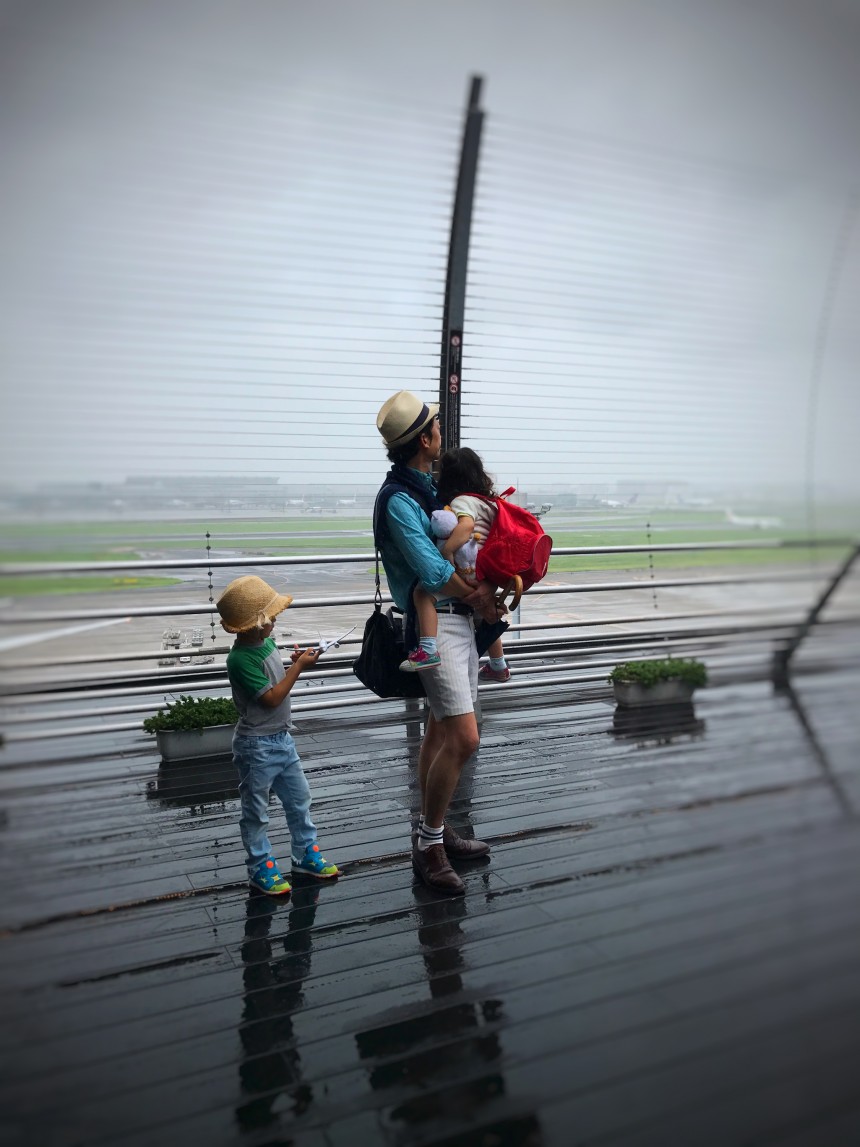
(315, 864)
(268, 879)
(419, 659)
(488, 673)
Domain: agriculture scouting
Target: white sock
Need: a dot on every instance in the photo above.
(498, 663)
(428, 836)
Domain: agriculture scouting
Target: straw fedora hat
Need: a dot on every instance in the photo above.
(403, 416)
(248, 602)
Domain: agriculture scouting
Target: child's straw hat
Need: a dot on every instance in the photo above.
(248, 602)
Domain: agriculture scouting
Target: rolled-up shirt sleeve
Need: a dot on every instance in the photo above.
(408, 532)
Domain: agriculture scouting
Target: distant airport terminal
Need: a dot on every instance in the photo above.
(191, 495)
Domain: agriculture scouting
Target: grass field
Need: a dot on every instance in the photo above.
(41, 586)
(113, 540)
(64, 555)
(686, 559)
(21, 532)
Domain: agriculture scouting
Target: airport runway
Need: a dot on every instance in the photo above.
(306, 626)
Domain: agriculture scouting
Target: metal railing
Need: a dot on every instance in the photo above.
(545, 655)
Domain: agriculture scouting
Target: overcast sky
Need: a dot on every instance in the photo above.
(225, 226)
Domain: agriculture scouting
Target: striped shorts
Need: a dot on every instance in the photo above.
(452, 688)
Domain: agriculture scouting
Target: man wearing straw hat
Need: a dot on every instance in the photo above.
(401, 526)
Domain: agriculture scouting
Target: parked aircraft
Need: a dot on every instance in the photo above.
(616, 503)
(754, 523)
(304, 505)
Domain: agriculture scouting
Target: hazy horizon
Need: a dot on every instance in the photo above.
(226, 231)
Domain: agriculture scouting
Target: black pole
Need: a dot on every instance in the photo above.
(782, 657)
(451, 375)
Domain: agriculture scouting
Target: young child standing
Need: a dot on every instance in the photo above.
(461, 475)
(263, 750)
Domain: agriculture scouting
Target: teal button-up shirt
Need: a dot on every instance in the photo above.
(409, 551)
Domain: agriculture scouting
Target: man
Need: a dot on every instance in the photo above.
(401, 522)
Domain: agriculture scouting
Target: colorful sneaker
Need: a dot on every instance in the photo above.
(418, 659)
(315, 864)
(488, 673)
(268, 879)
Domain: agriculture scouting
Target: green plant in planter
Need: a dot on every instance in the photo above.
(190, 713)
(648, 673)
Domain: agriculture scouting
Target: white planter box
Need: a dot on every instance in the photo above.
(631, 694)
(184, 744)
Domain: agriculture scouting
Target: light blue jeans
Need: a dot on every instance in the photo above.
(271, 764)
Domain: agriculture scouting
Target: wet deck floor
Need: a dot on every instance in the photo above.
(663, 948)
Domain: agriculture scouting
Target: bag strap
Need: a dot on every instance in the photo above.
(494, 498)
(377, 597)
(400, 483)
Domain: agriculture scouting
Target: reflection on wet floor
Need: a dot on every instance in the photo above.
(663, 942)
(658, 724)
(440, 1047)
(194, 784)
(270, 1072)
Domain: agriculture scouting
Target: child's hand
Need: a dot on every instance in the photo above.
(305, 658)
(485, 602)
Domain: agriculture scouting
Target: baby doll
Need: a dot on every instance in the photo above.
(442, 523)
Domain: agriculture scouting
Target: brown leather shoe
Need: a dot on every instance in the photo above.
(434, 869)
(456, 846)
(460, 849)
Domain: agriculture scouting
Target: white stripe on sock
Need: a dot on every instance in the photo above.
(427, 836)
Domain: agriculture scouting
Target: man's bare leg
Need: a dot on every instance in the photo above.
(434, 735)
(448, 744)
(454, 740)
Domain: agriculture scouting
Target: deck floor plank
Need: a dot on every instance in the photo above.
(663, 947)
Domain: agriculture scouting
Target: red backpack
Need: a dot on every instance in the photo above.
(516, 552)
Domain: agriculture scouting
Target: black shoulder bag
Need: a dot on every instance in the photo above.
(382, 650)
